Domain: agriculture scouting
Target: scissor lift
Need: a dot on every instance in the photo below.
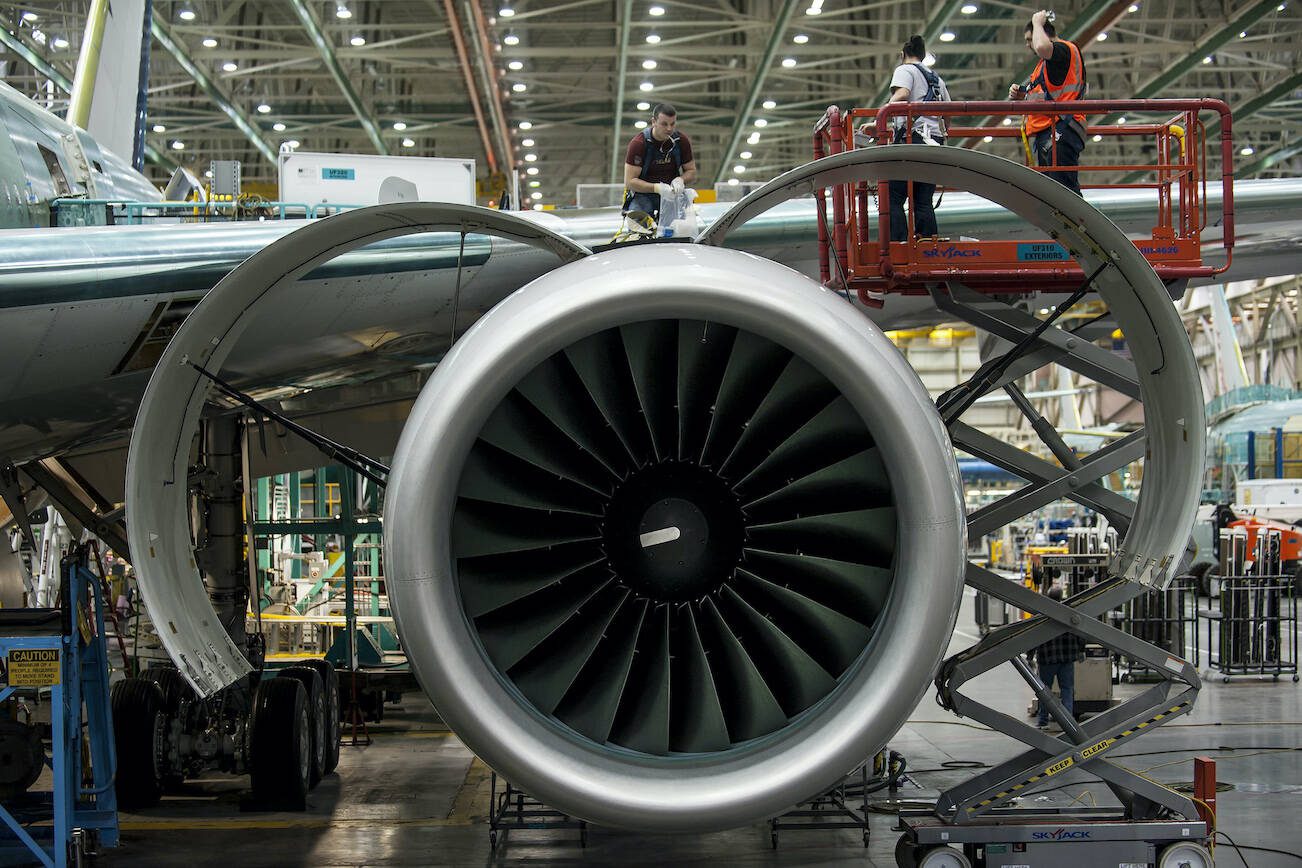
(856, 253)
(966, 277)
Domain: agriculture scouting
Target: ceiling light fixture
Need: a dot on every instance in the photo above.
(230, 66)
(800, 39)
(511, 39)
(644, 106)
(357, 41)
(656, 11)
(519, 87)
(640, 125)
(515, 65)
(264, 109)
(209, 42)
(649, 64)
(968, 8)
(770, 104)
(652, 39)
(527, 143)
(532, 170)
(531, 158)
(646, 87)
(947, 36)
(506, 12)
(409, 143)
(159, 128)
(761, 122)
(178, 145)
(185, 14)
(342, 11)
(278, 127)
(526, 125)
(399, 126)
(788, 62)
(739, 169)
(60, 42)
(745, 155)
(1247, 151)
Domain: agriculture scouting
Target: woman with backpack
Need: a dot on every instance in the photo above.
(914, 82)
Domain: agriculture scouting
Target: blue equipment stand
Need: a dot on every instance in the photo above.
(65, 651)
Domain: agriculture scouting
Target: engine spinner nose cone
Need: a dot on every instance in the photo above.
(673, 532)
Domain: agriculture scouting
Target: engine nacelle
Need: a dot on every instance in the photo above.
(674, 538)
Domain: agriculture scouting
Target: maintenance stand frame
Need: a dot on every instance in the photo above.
(83, 816)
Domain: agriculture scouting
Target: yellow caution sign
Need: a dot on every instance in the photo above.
(33, 667)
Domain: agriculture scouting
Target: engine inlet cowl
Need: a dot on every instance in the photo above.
(674, 538)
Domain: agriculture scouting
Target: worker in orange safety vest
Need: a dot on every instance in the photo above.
(1058, 77)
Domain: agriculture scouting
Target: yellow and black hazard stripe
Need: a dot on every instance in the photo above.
(1086, 753)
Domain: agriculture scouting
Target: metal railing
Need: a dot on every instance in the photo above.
(858, 241)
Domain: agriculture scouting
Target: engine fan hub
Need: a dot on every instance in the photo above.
(673, 532)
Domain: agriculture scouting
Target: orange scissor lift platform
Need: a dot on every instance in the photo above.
(855, 251)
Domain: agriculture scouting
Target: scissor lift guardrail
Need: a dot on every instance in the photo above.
(856, 253)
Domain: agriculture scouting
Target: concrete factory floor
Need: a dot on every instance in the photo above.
(416, 796)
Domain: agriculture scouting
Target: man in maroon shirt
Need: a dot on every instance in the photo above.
(659, 159)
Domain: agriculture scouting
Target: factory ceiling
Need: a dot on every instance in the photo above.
(555, 85)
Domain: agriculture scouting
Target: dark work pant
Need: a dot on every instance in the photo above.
(1068, 153)
(924, 216)
(648, 203)
(1066, 675)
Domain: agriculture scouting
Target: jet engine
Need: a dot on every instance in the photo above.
(674, 537)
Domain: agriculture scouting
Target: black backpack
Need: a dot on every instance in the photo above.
(933, 83)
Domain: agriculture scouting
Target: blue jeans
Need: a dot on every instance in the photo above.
(1066, 675)
(646, 202)
(1068, 154)
(924, 215)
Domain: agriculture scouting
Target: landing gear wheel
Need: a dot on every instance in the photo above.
(22, 758)
(139, 731)
(173, 684)
(334, 710)
(317, 714)
(176, 699)
(943, 857)
(280, 749)
(1185, 854)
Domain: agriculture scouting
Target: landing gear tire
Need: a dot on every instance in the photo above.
(334, 710)
(317, 712)
(176, 695)
(173, 684)
(139, 728)
(280, 749)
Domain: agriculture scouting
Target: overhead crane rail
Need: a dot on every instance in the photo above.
(856, 253)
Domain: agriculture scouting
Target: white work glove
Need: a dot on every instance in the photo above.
(663, 189)
(677, 184)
